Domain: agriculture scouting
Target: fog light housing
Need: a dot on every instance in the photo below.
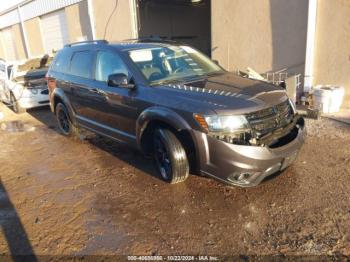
(241, 178)
(272, 169)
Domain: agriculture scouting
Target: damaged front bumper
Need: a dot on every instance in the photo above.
(33, 97)
(32, 102)
(247, 166)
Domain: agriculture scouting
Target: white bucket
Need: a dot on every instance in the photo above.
(328, 98)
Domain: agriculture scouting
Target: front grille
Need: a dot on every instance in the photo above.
(267, 120)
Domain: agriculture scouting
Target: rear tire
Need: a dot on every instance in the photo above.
(63, 120)
(15, 105)
(170, 157)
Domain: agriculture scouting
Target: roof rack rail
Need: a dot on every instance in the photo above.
(151, 38)
(88, 42)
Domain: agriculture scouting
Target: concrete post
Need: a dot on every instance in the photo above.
(310, 45)
(26, 45)
(92, 19)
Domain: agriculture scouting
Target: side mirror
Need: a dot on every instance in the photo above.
(119, 80)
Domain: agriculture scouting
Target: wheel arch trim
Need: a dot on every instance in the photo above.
(59, 93)
(159, 114)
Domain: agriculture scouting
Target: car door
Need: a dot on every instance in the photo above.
(113, 109)
(79, 88)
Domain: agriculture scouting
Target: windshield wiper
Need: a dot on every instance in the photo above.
(202, 76)
(187, 79)
(167, 81)
(214, 73)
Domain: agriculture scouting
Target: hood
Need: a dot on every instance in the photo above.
(32, 78)
(227, 93)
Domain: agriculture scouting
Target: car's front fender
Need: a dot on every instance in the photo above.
(161, 114)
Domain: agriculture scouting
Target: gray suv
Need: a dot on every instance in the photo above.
(174, 103)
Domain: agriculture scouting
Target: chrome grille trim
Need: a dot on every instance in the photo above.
(270, 119)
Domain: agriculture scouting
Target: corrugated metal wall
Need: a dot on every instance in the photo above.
(33, 9)
(9, 18)
(55, 30)
(9, 41)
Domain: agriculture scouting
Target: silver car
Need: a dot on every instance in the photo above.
(22, 89)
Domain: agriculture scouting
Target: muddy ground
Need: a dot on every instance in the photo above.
(65, 196)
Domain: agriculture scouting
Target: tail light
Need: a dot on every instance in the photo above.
(51, 82)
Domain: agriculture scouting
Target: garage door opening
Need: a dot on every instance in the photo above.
(187, 21)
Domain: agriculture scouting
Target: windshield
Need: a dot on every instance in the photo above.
(160, 65)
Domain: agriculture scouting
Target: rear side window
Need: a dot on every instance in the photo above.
(61, 61)
(82, 64)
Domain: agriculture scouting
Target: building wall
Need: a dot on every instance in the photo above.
(112, 19)
(18, 36)
(2, 51)
(266, 35)
(78, 22)
(332, 54)
(35, 41)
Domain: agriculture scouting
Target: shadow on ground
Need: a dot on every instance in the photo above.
(119, 150)
(13, 231)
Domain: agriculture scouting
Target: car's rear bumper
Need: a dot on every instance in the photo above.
(246, 166)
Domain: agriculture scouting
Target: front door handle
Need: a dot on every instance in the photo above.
(98, 91)
(63, 82)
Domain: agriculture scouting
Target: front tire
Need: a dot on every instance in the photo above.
(15, 105)
(63, 120)
(170, 156)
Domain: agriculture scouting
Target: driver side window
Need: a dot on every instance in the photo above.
(108, 63)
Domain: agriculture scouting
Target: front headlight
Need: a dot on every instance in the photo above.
(34, 91)
(232, 129)
(231, 123)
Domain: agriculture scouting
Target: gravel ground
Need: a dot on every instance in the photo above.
(68, 196)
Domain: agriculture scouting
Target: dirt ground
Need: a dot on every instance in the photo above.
(93, 196)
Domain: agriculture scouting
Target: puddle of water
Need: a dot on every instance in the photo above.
(106, 240)
(16, 126)
(106, 235)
